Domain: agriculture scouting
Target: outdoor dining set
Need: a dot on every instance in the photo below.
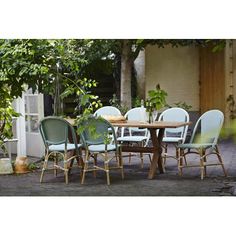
(108, 135)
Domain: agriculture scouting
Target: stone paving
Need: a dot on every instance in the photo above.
(134, 184)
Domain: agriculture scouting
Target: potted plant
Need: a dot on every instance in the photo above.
(156, 100)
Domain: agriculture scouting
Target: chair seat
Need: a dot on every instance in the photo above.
(172, 139)
(101, 148)
(61, 147)
(132, 139)
(195, 145)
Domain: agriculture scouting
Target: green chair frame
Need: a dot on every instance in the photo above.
(95, 144)
(55, 135)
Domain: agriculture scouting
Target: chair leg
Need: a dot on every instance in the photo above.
(202, 170)
(66, 170)
(185, 161)
(66, 176)
(85, 167)
(55, 163)
(95, 164)
(106, 166)
(141, 156)
(71, 165)
(177, 156)
(80, 162)
(221, 161)
(180, 161)
(130, 158)
(184, 156)
(165, 155)
(203, 161)
(45, 164)
(121, 163)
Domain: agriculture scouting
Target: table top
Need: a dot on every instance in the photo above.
(155, 125)
(142, 124)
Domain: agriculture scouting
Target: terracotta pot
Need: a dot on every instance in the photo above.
(21, 165)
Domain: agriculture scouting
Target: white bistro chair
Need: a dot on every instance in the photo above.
(174, 136)
(108, 110)
(135, 114)
(203, 142)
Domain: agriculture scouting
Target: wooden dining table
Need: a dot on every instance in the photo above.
(156, 137)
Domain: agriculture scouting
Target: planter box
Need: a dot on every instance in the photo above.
(5, 166)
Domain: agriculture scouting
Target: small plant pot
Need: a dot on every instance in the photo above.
(5, 166)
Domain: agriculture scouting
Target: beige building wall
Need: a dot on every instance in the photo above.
(177, 72)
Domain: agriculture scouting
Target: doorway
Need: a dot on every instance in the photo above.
(34, 112)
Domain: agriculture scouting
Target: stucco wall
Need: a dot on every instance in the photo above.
(177, 72)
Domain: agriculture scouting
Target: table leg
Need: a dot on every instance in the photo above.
(157, 150)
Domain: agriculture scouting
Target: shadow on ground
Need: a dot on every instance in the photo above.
(134, 184)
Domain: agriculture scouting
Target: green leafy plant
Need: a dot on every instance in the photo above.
(137, 102)
(33, 166)
(183, 105)
(87, 102)
(229, 129)
(231, 106)
(81, 123)
(117, 103)
(156, 98)
(6, 115)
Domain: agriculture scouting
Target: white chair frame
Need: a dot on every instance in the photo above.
(135, 114)
(179, 115)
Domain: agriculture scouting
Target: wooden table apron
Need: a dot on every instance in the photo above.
(156, 149)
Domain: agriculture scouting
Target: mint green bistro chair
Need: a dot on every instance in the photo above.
(203, 142)
(96, 144)
(55, 135)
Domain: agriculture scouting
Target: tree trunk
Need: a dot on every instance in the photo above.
(126, 69)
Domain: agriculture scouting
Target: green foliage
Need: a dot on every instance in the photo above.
(139, 44)
(54, 67)
(136, 102)
(116, 103)
(156, 98)
(231, 106)
(86, 123)
(229, 131)
(32, 166)
(6, 114)
(25, 62)
(87, 102)
(42, 64)
(183, 105)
